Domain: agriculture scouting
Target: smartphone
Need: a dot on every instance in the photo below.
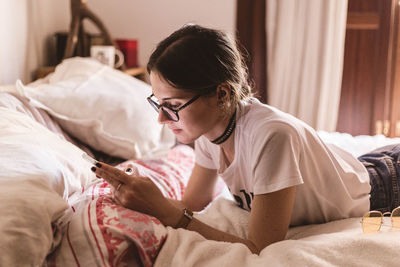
(89, 158)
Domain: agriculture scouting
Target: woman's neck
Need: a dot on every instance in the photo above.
(224, 129)
(228, 148)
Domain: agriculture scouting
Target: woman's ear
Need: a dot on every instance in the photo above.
(224, 98)
(223, 92)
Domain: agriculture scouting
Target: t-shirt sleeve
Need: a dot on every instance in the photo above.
(203, 156)
(276, 159)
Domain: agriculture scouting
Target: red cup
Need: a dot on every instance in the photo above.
(129, 48)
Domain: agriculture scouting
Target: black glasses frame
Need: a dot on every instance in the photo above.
(164, 109)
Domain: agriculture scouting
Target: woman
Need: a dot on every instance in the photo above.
(274, 164)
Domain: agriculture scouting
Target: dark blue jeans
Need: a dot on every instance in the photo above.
(383, 165)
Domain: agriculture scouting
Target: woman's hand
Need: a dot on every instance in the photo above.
(138, 193)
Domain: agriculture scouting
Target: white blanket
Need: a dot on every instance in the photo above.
(39, 171)
(338, 243)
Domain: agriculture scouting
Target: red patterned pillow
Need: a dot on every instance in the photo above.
(99, 232)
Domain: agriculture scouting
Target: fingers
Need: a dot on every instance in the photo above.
(116, 194)
(131, 170)
(109, 172)
(116, 199)
(119, 187)
(106, 176)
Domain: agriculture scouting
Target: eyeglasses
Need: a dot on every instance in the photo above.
(372, 220)
(172, 114)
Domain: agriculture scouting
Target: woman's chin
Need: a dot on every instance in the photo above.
(184, 139)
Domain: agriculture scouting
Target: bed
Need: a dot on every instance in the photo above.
(56, 212)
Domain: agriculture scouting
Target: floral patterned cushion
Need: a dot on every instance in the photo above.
(98, 232)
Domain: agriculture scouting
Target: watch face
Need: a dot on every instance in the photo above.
(188, 213)
(186, 218)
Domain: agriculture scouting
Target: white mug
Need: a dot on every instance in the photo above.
(106, 54)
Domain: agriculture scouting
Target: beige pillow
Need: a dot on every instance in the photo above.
(103, 108)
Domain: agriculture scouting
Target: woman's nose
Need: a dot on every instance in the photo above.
(162, 118)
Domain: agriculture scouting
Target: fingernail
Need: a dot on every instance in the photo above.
(98, 165)
(93, 169)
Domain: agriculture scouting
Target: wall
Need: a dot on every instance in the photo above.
(152, 20)
(26, 26)
(15, 37)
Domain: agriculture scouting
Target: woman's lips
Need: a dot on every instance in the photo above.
(176, 131)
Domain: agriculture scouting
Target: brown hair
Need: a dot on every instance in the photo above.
(195, 58)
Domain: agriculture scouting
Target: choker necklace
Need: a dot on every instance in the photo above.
(228, 131)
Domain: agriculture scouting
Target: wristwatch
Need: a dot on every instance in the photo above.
(186, 218)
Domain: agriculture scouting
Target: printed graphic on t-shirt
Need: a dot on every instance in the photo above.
(244, 199)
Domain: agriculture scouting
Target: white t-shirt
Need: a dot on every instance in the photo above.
(274, 150)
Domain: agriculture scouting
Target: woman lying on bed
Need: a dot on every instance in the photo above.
(275, 165)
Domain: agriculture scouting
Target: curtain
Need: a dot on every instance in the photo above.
(13, 30)
(251, 33)
(305, 58)
(26, 28)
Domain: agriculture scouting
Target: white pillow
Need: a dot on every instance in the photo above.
(39, 171)
(357, 145)
(103, 108)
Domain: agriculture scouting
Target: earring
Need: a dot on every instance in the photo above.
(222, 93)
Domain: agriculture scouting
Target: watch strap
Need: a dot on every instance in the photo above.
(186, 218)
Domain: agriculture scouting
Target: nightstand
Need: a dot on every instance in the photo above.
(42, 72)
(139, 73)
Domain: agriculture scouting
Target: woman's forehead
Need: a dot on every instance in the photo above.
(163, 90)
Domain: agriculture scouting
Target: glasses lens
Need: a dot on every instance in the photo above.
(371, 222)
(170, 113)
(396, 218)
